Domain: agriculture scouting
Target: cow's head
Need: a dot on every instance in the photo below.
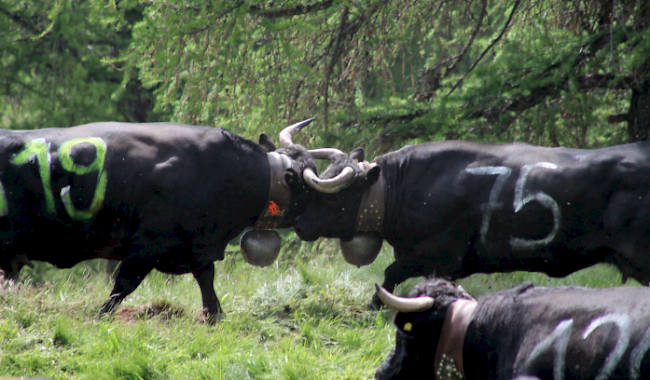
(335, 196)
(335, 201)
(419, 320)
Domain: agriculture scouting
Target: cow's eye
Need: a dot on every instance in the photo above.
(405, 325)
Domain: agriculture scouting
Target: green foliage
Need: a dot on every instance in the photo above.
(51, 68)
(386, 73)
(376, 74)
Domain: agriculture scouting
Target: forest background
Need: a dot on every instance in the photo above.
(376, 74)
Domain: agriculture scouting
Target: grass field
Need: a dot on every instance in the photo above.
(302, 318)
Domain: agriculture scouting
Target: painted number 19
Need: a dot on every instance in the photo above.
(38, 150)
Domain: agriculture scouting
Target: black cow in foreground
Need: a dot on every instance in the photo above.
(455, 208)
(528, 331)
(159, 196)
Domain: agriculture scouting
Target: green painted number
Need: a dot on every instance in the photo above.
(4, 208)
(96, 166)
(40, 150)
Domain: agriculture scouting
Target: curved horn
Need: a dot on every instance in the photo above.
(288, 132)
(332, 185)
(403, 304)
(324, 153)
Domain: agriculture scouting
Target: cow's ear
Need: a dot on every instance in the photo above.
(372, 176)
(266, 142)
(291, 177)
(357, 154)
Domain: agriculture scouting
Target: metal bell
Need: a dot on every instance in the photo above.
(260, 247)
(362, 249)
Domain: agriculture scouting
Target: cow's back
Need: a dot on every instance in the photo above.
(485, 203)
(562, 333)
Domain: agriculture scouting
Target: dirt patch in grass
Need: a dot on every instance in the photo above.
(162, 310)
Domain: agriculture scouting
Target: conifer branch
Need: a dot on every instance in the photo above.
(20, 20)
(290, 12)
(503, 31)
(472, 36)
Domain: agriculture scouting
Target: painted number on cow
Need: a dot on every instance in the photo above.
(38, 151)
(560, 337)
(519, 201)
(96, 166)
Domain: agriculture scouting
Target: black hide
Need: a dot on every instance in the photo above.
(155, 196)
(549, 333)
(456, 208)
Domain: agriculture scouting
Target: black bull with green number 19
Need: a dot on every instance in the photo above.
(159, 196)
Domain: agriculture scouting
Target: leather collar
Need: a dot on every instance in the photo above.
(277, 206)
(448, 364)
(371, 210)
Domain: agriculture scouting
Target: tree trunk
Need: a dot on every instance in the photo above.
(639, 115)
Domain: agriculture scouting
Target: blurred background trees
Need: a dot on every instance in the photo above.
(375, 73)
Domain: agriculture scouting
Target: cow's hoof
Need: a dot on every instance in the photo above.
(213, 318)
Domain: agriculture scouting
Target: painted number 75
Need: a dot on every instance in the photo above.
(519, 201)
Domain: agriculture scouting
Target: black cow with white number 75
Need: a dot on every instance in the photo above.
(455, 208)
(162, 196)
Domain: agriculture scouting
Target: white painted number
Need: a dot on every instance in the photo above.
(637, 354)
(559, 340)
(622, 321)
(493, 201)
(541, 197)
(519, 201)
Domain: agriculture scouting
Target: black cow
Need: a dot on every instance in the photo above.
(523, 333)
(455, 208)
(159, 196)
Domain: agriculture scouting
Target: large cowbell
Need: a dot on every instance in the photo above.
(362, 249)
(260, 247)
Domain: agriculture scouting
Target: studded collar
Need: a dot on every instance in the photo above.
(277, 206)
(370, 217)
(449, 354)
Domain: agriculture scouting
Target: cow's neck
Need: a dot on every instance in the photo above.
(370, 217)
(277, 206)
(391, 176)
(448, 364)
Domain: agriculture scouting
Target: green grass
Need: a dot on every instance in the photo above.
(302, 318)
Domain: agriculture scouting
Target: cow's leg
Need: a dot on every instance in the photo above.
(211, 306)
(129, 276)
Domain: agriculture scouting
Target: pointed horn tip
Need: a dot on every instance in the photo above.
(304, 123)
(403, 304)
